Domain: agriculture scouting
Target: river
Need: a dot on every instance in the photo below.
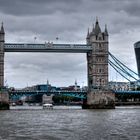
(73, 123)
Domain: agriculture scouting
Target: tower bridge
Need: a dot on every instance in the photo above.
(97, 63)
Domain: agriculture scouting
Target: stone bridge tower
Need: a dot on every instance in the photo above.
(4, 96)
(99, 95)
(2, 36)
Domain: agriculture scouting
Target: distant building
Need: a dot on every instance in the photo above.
(47, 99)
(137, 52)
(133, 85)
(119, 85)
(43, 87)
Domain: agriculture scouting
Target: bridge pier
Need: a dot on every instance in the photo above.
(4, 100)
(99, 99)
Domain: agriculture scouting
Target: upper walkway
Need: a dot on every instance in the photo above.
(47, 47)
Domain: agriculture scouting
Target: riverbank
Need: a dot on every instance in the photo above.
(126, 103)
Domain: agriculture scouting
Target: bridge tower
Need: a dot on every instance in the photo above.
(4, 96)
(2, 40)
(99, 95)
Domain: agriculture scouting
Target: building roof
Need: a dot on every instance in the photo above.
(2, 28)
(97, 29)
(137, 44)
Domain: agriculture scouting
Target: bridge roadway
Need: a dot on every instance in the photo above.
(47, 47)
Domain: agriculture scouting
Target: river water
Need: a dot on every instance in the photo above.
(34, 123)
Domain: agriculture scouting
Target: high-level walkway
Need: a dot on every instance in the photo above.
(47, 47)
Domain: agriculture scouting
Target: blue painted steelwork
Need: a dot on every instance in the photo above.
(81, 96)
(126, 92)
(122, 69)
(47, 47)
(76, 94)
(20, 93)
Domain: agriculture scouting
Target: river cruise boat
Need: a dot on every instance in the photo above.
(47, 106)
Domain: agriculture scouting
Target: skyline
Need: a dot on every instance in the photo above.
(67, 21)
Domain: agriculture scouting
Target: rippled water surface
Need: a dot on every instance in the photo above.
(34, 123)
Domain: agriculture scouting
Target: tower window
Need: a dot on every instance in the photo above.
(103, 36)
(91, 82)
(96, 37)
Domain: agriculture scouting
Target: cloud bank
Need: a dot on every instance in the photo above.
(67, 20)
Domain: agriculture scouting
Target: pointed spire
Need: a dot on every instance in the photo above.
(75, 82)
(75, 85)
(88, 34)
(93, 29)
(96, 19)
(97, 27)
(47, 82)
(2, 28)
(106, 32)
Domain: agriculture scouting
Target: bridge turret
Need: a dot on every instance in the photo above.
(2, 28)
(88, 37)
(96, 31)
(97, 28)
(92, 35)
(97, 34)
(106, 33)
(2, 33)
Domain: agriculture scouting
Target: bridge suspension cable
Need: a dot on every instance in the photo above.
(122, 69)
(115, 67)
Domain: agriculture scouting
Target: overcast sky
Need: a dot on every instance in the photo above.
(68, 20)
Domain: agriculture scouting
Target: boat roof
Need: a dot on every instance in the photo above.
(46, 104)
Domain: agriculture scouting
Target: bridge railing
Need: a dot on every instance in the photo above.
(47, 46)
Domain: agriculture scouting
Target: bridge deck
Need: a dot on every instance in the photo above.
(47, 47)
(19, 93)
(127, 92)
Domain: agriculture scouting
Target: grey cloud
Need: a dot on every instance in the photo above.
(132, 8)
(35, 7)
(60, 23)
(69, 20)
(43, 61)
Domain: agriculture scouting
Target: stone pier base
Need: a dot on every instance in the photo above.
(4, 106)
(4, 101)
(100, 99)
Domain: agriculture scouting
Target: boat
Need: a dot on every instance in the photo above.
(13, 104)
(47, 106)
